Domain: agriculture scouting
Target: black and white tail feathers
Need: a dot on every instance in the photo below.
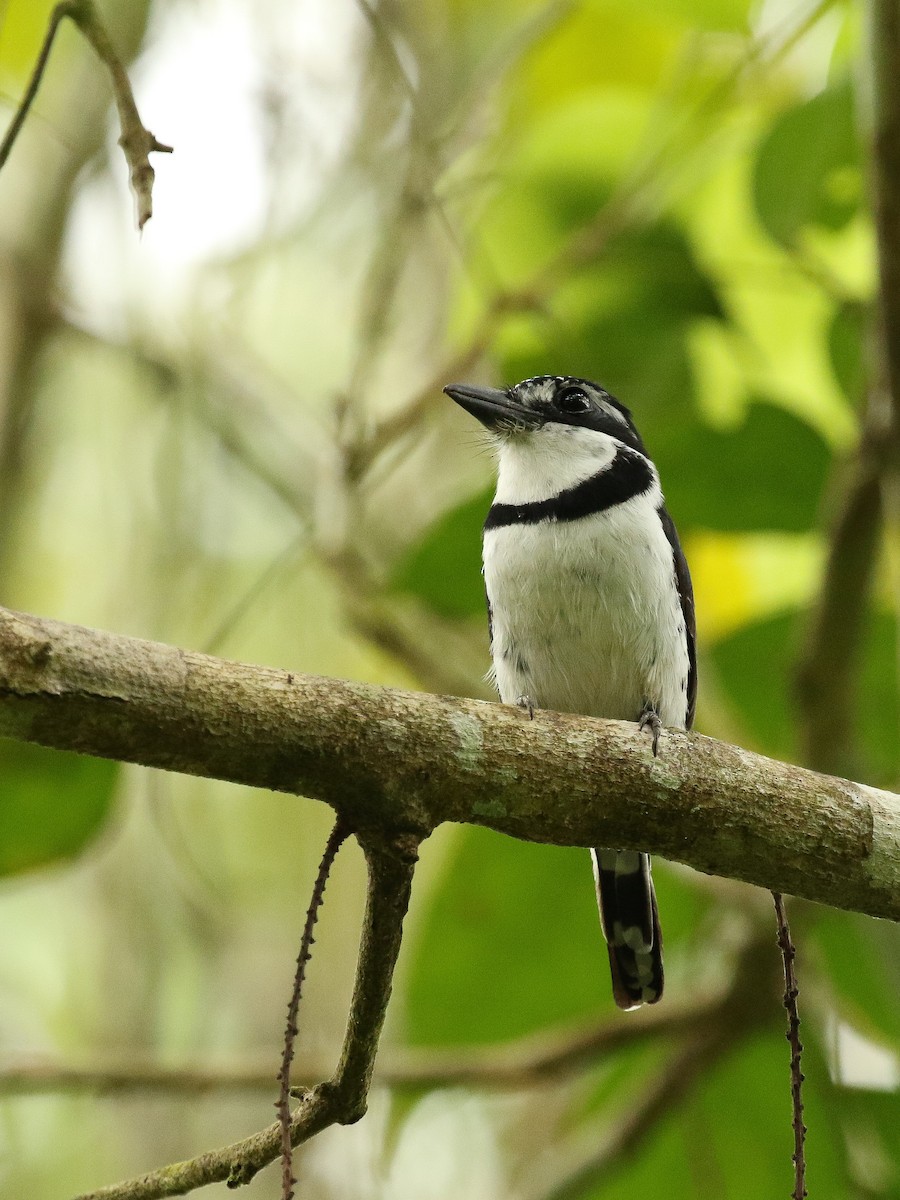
(630, 923)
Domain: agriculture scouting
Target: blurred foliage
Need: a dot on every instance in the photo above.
(862, 961)
(24, 27)
(51, 805)
(668, 197)
(538, 902)
(847, 342)
(807, 167)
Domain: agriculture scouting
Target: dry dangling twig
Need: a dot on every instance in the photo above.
(340, 1100)
(791, 992)
(136, 141)
(283, 1104)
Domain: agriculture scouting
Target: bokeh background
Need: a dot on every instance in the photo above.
(228, 433)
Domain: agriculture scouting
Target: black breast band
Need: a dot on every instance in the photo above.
(628, 475)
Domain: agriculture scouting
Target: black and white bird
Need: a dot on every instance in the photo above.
(590, 603)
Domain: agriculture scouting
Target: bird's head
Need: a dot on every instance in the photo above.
(558, 428)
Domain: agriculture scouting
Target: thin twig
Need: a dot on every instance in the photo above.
(534, 296)
(136, 141)
(791, 992)
(283, 1104)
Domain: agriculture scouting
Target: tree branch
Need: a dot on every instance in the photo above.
(385, 759)
(830, 664)
(341, 1100)
(741, 1006)
(885, 58)
(659, 1096)
(515, 1064)
(829, 667)
(137, 142)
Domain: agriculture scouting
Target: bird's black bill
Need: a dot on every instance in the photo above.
(492, 407)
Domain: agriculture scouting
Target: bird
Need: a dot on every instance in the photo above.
(590, 604)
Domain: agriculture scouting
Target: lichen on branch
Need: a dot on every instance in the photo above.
(389, 760)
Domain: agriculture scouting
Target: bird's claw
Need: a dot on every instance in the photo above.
(649, 719)
(527, 703)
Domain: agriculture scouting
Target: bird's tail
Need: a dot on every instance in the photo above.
(630, 923)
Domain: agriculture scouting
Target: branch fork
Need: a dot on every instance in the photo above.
(341, 1100)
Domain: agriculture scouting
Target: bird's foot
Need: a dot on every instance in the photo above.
(527, 703)
(649, 719)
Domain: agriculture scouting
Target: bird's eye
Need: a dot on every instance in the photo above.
(572, 400)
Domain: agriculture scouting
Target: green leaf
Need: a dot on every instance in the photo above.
(708, 14)
(444, 569)
(878, 702)
(51, 804)
(807, 168)
(848, 334)
(754, 670)
(861, 958)
(23, 27)
(871, 1123)
(623, 320)
(731, 1135)
(740, 1123)
(657, 265)
(529, 907)
(768, 474)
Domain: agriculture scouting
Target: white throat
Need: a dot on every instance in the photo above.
(544, 462)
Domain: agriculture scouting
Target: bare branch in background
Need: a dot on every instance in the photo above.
(703, 1034)
(44, 180)
(515, 1064)
(595, 1155)
(830, 663)
(659, 1095)
(237, 401)
(341, 1100)
(885, 51)
(387, 759)
(531, 297)
(136, 141)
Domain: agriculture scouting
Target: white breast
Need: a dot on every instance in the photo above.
(586, 614)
